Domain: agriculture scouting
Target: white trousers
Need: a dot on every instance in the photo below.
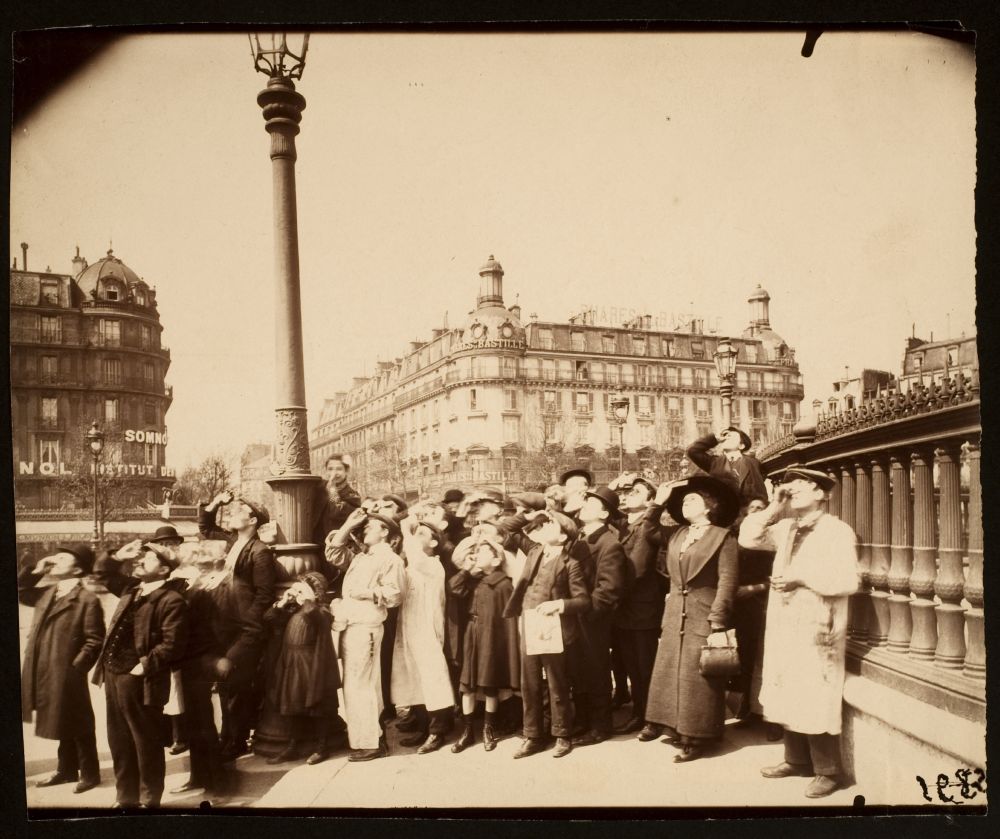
(361, 652)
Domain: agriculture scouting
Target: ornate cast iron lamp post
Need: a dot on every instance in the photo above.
(95, 439)
(619, 407)
(725, 364)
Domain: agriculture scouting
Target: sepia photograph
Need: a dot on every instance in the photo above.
(496, 419)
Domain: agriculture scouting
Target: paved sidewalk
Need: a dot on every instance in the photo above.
(621, 772)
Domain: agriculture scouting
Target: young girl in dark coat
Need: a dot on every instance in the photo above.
(491, 664)
(304, 683)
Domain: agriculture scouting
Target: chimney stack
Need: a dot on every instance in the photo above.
(24, 253)
(79, 263)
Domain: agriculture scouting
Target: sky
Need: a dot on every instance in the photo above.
(665, 172)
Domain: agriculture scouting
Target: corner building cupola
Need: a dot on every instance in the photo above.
(760, 301)
(490, 284)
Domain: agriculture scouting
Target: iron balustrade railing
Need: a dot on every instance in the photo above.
(906, 472)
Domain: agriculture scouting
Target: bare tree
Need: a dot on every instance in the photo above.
(204, 481)
(548, 439)
(116, 485)
(670, 451)
(386, 465)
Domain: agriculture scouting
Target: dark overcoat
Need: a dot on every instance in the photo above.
(160, 636)
(305, 678)
(745, 474)
(242, 600)
(65, 641)
(330, 511)
(703, 584)
(641, 607)
(491, 655)
(609, 568)
(454, 607)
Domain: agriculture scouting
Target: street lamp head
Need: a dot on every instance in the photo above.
(95, 438)
(725, 359)
(275, 59)
(619, 406)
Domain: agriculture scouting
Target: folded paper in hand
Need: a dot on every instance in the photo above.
(542, 633)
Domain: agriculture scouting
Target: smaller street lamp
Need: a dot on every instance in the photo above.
(619, 407)
(725, 364)
(95, 439)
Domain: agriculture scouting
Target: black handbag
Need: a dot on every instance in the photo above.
(720, 661)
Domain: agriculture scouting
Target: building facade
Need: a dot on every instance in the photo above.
(503, 403)
(931, 361)
(86, 346)
(255, 469)
(850, 391)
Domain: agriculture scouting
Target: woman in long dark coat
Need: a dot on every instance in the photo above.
(702, 566)
(67, 634)
(491, 660)
(303, 685)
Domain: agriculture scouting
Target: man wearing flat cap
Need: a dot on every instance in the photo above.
(145, 640)
(67, 632)
(244, 590)
(731, 463)
(607, 571)
(814, 573)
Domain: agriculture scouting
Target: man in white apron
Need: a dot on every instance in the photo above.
(815, 570)
(374, 582)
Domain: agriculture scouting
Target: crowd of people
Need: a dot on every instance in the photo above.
(547, 609)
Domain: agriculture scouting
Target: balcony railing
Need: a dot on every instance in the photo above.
(906, 468)
(120, 306)
(605, 377)
(117, 342)
(37, 335)
(416, 393)
(42, 423)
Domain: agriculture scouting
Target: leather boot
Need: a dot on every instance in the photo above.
(466, 739)
(290, 752)
(489, 738)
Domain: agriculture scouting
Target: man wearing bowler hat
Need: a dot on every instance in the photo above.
(592, 668)
(457, 530)
(636, 625)
(732, 463)
(244, 590)
(576, 483)
(145, 639)
(814, 573)
(67, 632)
(167, 536)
